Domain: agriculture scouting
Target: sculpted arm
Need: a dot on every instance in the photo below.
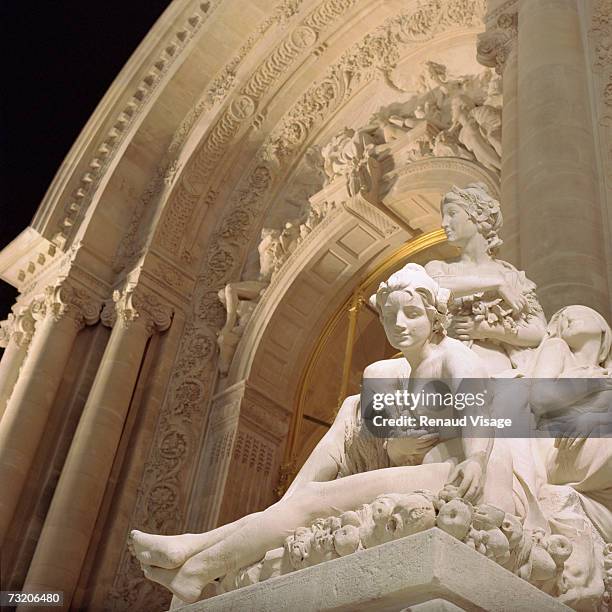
(465, 284)
(466, 368)
(527, 333)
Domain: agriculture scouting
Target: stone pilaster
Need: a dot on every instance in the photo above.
(66, 309)
(135, 315)
(552, 210)
(241, 457)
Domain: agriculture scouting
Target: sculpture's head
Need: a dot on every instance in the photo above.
(470, 211)
(580, 324)
(412, 307)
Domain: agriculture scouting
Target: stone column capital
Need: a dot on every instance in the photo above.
(25, 322)
(495, 45)
(65, 301)
(7, 330)
(139, 306)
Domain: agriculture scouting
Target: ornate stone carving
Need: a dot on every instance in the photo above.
(448, 117)
(67, 301)
(600, 33)
(7, 328)
(532, 555)
(606, 600)
(376, 54)
(25, 321)
(499, 40)
(245, 105)
(348, 155)
(133, 305)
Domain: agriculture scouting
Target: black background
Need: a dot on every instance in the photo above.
(59, 59)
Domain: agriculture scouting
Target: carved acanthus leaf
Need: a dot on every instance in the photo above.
(64, 300)
(138, 305)
(495, 45)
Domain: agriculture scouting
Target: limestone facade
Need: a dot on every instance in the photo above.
(228, 119)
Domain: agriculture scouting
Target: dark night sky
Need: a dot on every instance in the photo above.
(59, 60)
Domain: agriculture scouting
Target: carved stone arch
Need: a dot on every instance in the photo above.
(172, 183)
(262, 391)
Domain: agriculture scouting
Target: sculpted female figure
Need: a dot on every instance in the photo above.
(412, 311)
(578, 346)
(571, 394)
(495, 309)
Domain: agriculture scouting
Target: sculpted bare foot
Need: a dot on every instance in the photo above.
(185, 587)
(156, 550)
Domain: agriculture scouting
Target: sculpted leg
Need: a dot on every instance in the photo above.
(170, 552)
(318, 499)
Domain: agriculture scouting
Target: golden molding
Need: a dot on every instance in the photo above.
(351, 306)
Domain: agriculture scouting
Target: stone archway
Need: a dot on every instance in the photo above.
(253, 415)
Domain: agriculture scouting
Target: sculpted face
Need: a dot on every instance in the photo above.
(457, 224)
(405, 320)
(578, 325)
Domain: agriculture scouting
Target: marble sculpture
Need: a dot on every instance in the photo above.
(540, 508)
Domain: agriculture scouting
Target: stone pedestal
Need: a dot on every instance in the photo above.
(427, 571)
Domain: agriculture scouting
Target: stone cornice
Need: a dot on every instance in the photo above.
(69, 195)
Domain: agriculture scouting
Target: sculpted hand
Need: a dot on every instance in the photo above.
(515, 299)
(578, 430)
(469, 477)
(463, 328)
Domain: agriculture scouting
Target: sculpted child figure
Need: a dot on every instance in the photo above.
(412, 308)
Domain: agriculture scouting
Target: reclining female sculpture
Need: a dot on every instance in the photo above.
(412, 309)
(490, 487)
(576, 466)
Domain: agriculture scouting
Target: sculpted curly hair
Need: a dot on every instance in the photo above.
(414, 279)
(482, 208)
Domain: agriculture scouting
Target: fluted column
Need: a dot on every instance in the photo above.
(70, 522)
(562, 242)
(15, 336)
(66, 310)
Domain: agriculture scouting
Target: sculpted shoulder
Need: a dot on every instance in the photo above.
(461, 361)
(386, 368)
